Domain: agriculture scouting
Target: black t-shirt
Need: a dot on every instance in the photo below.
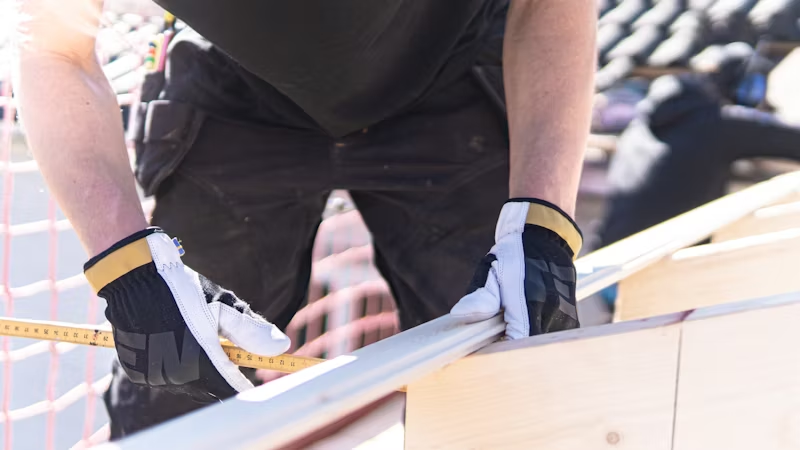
(346, 64)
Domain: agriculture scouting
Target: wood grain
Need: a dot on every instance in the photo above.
(611, 386)
(712, 274)
(739, 386)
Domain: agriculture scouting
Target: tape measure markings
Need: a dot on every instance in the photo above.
(88, 335)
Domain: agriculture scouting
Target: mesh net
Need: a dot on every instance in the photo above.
(50, 390)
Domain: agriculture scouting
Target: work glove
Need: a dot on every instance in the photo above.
(167, 319)
(529, 272)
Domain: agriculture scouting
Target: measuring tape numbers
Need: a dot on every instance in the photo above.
(102, 337)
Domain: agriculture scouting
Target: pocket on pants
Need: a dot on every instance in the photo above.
(167, 132)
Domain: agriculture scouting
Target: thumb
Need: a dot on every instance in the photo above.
(481, 304)
(249, 331)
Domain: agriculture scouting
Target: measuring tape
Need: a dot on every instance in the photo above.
(102, 337)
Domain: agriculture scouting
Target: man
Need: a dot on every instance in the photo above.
(394, 101)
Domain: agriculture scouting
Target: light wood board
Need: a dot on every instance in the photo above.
(610, 386)
(611, 264)
(712, 274)
(739, 386)
(766, 220)
(722, 377)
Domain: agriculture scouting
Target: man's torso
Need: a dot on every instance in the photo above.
(343, 64)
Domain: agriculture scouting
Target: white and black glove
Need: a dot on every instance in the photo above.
(529, 272)
(167, 319)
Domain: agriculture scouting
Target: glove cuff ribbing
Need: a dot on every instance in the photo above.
(550, 216)
(126, 255)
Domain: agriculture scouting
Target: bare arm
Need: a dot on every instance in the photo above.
(549, 65)
(73, 121)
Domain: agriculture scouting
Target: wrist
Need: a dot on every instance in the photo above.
(97, 243)
(519, 212)
(121, 258)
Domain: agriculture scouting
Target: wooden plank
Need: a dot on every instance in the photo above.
(739, 385)
(596, 388)
(712, 274)
(722, 377)
(609, 265)
(793, 197)
(765, 220)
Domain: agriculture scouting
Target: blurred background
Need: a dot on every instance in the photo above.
(695, 98)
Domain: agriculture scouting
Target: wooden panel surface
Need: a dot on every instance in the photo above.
(722, 377)
(739, 385)
(712, 274)
(610, 386)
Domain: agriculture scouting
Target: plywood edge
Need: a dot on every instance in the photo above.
(581, 334)
(744, 306)
(766, 220)
(743, 243)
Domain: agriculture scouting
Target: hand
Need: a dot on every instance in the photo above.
(529, 272)
(167, 319)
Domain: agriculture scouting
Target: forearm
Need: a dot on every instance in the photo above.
(549, 64)
(74, 130)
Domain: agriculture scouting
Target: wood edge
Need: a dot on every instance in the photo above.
(773, 211)
(630, 326)
(755, 197)
(718, 248)
(743, 306)
(583, 333)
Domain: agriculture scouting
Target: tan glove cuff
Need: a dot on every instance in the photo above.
(557, 221)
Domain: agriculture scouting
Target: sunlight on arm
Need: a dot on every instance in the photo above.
(66, 27)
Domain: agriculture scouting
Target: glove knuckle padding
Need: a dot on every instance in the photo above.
(549, 282)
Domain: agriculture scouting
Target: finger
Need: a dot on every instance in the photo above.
(515, 327)
(249, 331)
(481, 304)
